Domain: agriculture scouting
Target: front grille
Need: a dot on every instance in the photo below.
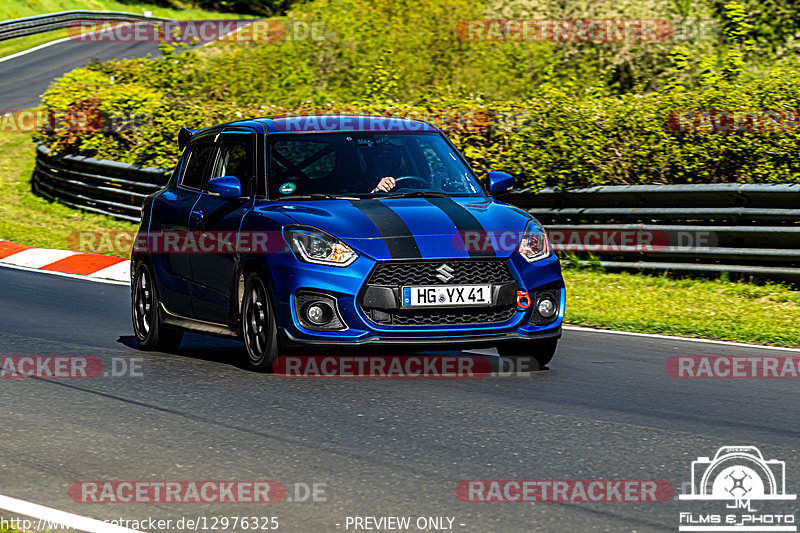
(465, 272)
(439, 317)
(397, 274)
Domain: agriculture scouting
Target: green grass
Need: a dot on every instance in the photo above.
(11, 9)
(12, 46)
(711, 309)
(28, 219)
(744, 312)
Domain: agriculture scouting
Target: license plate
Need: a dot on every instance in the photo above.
(447, 295)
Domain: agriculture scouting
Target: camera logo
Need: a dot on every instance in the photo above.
(738, 473)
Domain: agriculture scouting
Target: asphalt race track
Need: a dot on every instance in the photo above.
(606, 410)
(25, 78)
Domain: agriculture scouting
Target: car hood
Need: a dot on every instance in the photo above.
(416, 228)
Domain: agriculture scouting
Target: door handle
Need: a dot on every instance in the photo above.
(196, 220)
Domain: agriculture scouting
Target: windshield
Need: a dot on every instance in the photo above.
(358, 164)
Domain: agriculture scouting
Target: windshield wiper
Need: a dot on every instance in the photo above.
(419, 194)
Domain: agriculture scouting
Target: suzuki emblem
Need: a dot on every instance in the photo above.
(445, 273)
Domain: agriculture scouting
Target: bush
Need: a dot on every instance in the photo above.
(553, 114)
(552, 139)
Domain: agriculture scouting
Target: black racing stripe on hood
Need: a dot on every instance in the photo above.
(467, 224)
(395, 232)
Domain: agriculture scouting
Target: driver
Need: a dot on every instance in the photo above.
(385, 185)
(382, 160)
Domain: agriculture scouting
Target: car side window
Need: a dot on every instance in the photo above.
(235, 160)
(194, 175)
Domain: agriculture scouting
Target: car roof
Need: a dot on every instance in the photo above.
(324, 123)
(343, 123)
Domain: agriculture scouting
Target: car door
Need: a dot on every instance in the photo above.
(214, 268)
(168, 227)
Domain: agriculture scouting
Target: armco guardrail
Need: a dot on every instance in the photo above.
(728, 227)
(739, 228)
(53, 21)
(95, 185)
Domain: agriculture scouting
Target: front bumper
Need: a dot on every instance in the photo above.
(346, 285)
(448, 341)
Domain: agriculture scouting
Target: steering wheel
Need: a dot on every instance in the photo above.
(423, 182)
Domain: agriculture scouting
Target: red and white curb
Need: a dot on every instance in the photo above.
(92, 266)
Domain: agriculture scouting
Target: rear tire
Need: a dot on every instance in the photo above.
(535, 355)
(259, 329)
(150, 333)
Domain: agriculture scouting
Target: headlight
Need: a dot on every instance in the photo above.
(534, 244)
(313, 245)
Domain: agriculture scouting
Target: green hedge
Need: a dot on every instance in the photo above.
(551, 139)
(553, 114)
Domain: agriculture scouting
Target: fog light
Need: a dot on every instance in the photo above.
(546, 307)
(318, 313)
(315, 314)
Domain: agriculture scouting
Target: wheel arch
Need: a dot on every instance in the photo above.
(249, 265)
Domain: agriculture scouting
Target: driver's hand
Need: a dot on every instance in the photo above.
(385, 185)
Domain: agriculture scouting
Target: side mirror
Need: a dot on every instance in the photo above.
(225, 187)
(500, 182)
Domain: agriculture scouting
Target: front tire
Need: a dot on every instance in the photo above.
(150, 333)
(531, 354)
(259, 328)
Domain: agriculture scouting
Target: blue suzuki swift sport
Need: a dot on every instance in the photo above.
(313, 232)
